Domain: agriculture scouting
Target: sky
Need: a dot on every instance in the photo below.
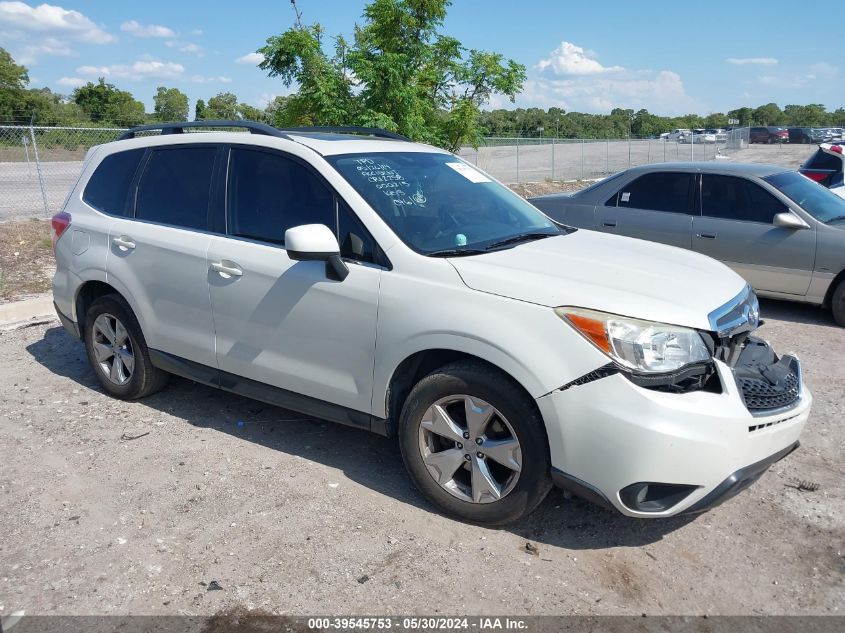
(668, 57)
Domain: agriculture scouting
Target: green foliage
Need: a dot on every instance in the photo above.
(222, 106)
(400, 73)
(171, 104)
(104, 103)
(199, 110)
(12, 75)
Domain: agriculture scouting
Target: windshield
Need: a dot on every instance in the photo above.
(436, 202)
(814, 198)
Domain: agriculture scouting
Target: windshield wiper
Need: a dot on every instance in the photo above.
(836, 219)
(455, 252)
(516, 239)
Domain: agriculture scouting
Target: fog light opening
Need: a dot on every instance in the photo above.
(654, 497)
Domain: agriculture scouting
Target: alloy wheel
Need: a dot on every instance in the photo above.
(113, 349)
(470, 449)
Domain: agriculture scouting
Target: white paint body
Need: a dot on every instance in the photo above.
(284, 324)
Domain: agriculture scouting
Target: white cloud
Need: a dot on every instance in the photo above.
(662, 93)
(71, 82)
(133, 27)
(201, 79)
(250, 58)
(46, 30)
(186, 47)
(569, 59)
(752, 61)
(145, 68)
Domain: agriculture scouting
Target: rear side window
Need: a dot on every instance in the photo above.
(823, 160)
(663, 191)
(108, 188)
(269, 193)
(175, 187)
(738, 199)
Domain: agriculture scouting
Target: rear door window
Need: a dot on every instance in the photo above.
(661, 191)
(176, 186)
(108, 188)
(732, 198)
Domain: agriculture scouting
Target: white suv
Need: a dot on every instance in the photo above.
(393, 287)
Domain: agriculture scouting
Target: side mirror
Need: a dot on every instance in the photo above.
(316, 242)
(790, 221)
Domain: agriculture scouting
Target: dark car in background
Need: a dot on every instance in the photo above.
(768, 134)
(805, 135)
(825, 166)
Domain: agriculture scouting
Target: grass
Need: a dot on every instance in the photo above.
(26, 259)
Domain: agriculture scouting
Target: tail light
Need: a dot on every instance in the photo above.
(59, 224)
(835, 148)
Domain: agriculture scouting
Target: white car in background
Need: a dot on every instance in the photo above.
(826, 167)
(678, 134)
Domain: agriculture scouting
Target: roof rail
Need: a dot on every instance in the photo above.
(349, 129)
(178, 128)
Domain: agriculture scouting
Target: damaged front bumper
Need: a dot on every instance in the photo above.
(655, 452)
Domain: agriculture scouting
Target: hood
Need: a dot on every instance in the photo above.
(606, 272)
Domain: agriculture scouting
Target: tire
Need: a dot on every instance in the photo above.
(837, 303)
(514, 416)
(127, 381)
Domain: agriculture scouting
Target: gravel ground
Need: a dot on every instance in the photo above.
(130, 508)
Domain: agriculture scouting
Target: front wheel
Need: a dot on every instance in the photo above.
(474, 444)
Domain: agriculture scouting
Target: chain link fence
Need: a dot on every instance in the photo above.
(40, 165)
(517, 160)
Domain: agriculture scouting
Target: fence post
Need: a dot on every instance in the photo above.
(629, 150)
(553, 158)
(607, 156)
(38, 168)
(582, 159)
(648, 160)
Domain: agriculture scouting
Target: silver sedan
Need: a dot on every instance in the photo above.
(781, 231)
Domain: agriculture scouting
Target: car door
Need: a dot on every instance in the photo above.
(282, 322)
(736, 227)
(656, 207)
(157, 257)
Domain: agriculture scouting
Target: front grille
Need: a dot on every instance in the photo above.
(760, 395)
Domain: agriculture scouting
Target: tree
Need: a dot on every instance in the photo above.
(813, 114)
(104, 103)
(222, 106)
(13, 82)
(399, 73)
(743, 115)
(769, 114)
(274, 113)
(171, 104)
(199, 110)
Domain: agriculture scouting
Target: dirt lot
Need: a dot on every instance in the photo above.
(116, 508)
(26, 259)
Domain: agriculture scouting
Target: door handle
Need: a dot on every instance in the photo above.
(227, 268)
(124, 242)
(706, 236)
(610, 224)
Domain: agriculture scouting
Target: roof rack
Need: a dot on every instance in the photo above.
(178, 128)
(261, 128)
(348, 129)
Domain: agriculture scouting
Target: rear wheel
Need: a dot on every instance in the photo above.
(837, 303)
(118, 352)
(474, 444)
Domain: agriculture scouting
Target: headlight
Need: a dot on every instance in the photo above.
(643, 346)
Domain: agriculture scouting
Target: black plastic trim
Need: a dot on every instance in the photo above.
(668, 496)
(178, 128)
(738, 481)
(71, 327)
(602, 372)
(267, 393)
(580, 488)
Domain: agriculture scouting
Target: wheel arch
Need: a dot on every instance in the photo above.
(88, 292)
(839, 279)
(417, 365)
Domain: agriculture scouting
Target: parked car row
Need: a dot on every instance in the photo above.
(798, 135)
(699, 135)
